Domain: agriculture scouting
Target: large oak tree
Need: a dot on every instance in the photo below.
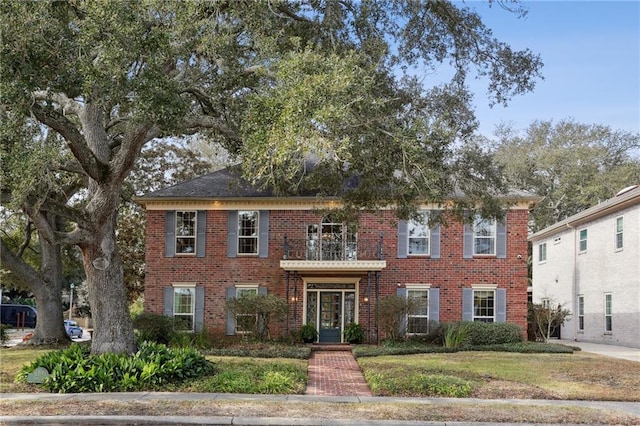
(276, 83)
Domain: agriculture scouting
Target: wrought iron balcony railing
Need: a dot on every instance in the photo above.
(332, 249)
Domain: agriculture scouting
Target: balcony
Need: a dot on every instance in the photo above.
(332, 253)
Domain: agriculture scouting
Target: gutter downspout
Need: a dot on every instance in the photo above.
(574, 296)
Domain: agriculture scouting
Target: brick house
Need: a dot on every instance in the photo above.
(213, 238)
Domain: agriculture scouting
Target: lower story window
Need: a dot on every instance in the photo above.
(581, 313)
(184, 307)
(608, 313)
(418, 320)
(484, 305)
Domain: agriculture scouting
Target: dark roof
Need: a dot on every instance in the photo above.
(228, 183)
(225, 183)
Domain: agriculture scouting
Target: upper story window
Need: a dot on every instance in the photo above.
(247, 232)
(484, 236)
(619, 233)
(583, 240)
(331, 240)
(419, 236)
(185, 232)
(542, 252)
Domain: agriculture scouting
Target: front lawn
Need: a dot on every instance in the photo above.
(504, 375)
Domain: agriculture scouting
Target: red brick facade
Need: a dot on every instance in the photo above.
(450, 273)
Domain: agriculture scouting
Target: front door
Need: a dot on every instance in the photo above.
(330, 317)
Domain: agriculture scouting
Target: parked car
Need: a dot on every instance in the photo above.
(73, 329)
(18, 315)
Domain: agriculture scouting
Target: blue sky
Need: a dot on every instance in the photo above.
(591, 56)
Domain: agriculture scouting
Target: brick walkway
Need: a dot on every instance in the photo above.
(335, 373)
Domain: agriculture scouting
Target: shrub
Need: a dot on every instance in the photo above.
(455, 335)
(75, 370)
(354, 333)
(4, 337)
(467, 333)
(259, 310)
(156, 328)
(391, 312)
(495, 333)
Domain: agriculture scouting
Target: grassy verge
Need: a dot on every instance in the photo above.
(353, 413)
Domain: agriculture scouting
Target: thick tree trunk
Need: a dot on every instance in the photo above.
(113, 329)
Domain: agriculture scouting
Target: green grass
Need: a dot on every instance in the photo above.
(502, 374)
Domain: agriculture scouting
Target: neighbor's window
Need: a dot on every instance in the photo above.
(248, 232)
(484, 236)
(484, 305)
(245, 323)
(619, 229)
(184, 300)
(418, 321)
(185, 232)
(608, 313)
(419, 233)
(581, 313)
(583, 240)
(542, 252)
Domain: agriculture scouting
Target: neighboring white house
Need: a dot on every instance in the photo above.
(590, 263)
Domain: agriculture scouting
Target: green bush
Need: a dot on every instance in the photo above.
(526, 347)
(354, 333)
(4, 337)
(455, 335)
(156, 328)
(74, 370)
(258, 311)
(494, 333)
(391, 312)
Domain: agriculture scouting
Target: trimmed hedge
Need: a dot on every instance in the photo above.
(494, 333)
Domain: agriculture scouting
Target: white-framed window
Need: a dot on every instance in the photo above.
(542, 252)
(484, 305)
(580, 312)
(331, 240)
(184, 306)
(545, 303)
(248, 232)
(186, 232)
(608, 313)
(619, 233)
(418, 319)
(484, 236)
(245, 323)
(419, 236)
(583, 241)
